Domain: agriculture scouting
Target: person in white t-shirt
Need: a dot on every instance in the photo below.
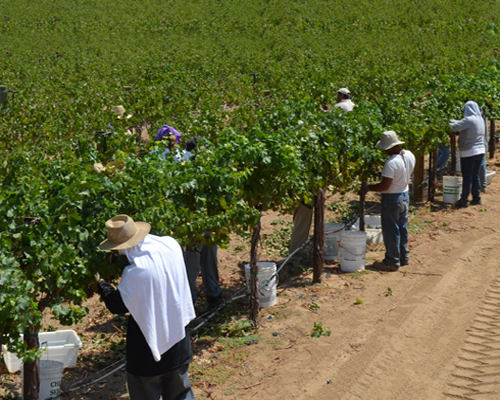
(344, 100)
(395, 200)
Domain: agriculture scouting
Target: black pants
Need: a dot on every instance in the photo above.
(173, 385)
(471, 182)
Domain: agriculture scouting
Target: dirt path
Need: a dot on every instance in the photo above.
(436, 337)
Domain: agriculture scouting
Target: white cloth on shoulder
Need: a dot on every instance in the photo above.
(345, 104)
(155, 290)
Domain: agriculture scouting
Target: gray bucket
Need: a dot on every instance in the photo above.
(332, 240)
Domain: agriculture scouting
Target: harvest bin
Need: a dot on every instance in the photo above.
(60, 346)
(373, 228)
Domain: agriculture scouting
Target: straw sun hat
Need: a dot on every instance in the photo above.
(119, 110)
(124, 233)
(388, 140)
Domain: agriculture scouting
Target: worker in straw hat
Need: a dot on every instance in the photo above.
(154, 289)
(395, 201)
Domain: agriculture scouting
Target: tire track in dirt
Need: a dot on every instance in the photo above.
(409, 354)
(477, 371)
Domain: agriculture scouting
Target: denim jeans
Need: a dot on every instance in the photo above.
(482, 175)
(395, 227)
(203, 260)
(443, 155)
(471, 181)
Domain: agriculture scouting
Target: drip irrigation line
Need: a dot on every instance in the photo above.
(87, 384)
(425, 181)
(216, 310)
(213, 312)
(283, 263)
(236, 296)
(101, 371)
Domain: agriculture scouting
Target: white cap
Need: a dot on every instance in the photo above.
(343, 91)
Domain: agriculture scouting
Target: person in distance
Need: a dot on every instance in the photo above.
(344, 100)
(302, 217)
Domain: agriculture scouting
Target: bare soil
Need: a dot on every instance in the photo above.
(429, 331)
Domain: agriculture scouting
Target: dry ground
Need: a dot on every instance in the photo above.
(429, 331)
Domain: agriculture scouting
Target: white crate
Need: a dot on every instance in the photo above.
(60, 346)
(373, 228)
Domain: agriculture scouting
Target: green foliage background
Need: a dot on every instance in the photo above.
(246, 76)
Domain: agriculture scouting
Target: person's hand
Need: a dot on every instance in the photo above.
(97, 277)
(364, 189)
(192, 246)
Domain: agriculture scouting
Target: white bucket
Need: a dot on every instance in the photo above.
(489, 176)
(266, 286)
(50, 373)
(332, 240)
(452, 187)
(353, 245)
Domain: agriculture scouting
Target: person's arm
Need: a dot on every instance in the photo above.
(111, 297)
(379, 187)
(459, 126)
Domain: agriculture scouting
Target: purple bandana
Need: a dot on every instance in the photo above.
(167, 130)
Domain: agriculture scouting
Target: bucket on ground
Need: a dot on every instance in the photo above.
(332, 240)
(353, 245)
(489, 176)
(452, 187)
(266, 283)
(51, 373)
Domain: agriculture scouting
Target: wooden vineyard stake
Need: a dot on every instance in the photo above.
(433, 159)
(492, 143)
(31, 380)
(418, 178)
(254, 270)
(319, 235)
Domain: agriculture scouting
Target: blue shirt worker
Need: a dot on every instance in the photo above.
(395, 201)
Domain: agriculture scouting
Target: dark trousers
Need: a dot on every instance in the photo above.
(204, 259)
(172, 385)
(470, 173)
